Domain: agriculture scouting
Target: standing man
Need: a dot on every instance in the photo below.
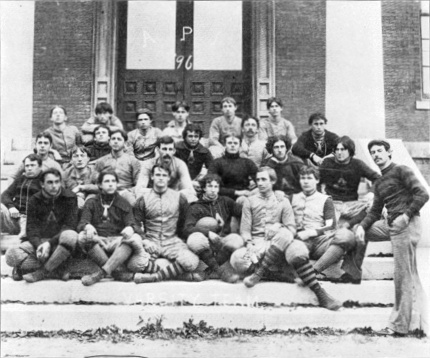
(287, 166)
(103, 115)
(213, 250)
(276, 124)
(51, 237)
(100, 146)
(107, 227)
(252, 147)
(400, 191)
(179, 178)
(126, 166)
(162, 210)
(193, 153)
(44, 150)
(14, 200)
(237, 174)
(79, 177)
(268, 229)
(316, 143)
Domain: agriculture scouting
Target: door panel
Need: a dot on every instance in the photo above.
(143, 83)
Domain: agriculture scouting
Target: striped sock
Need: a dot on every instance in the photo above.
(152, 267)
(170, 271)
(271, 257)
(333, 254)
(307, 273)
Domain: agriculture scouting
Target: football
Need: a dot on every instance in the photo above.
(206, 224)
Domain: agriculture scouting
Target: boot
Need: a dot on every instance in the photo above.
(227, 273)
(95, 277)
(17, 274)
(252, 280)
(35, 276)
(325, 300)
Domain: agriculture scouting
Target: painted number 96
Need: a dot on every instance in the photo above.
(180, 60)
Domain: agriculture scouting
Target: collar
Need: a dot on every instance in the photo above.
(117, 156)
(118, 202)
(249, 141)
(387, 169)
(231, 156)
(199, 149)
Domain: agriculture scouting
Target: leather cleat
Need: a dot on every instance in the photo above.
(122, 276)
(17, 274)
(252, 280)
(346, 278)
(89, 280)
(35, 276)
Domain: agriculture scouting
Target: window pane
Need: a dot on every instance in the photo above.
(426, 52)
(217, 35)
(151, 32)
(425, 27)
(425, 7)
(426, 81)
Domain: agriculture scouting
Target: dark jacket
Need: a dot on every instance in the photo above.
(202, 156)
(120, 215)
(98, 150)
(287, 172)
(18, 194)
(306, 145)
(48, 217)
(224, 206)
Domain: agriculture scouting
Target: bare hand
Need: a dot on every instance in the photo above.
(150, 247)
(219, 220)
(317, 160)
(359, 235)
(43, 251)
(196, 186)
(14, 213)
(76, 189)
(127, 232)
(90, 232)
(306, 234)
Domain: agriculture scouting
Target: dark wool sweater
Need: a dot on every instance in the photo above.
(342, 180)
(235, 173)
(202, 156)
(400, 191)
(48, 217)
(20, 191)
(224, 206)
(120, 215)
(288, 174)
(98, 150)
(306, 145)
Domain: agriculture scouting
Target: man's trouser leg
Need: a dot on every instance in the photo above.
(297, 255)
(353, 260)
(8, 224)
(409, 293)
(66, 246)
(332, 250)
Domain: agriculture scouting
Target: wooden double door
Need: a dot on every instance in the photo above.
(193, 51)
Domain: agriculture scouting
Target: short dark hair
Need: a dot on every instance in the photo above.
(120, 131)
(379, 142)
(347, 143)
(52, 171)
(276, 138)
(310, 170)
(229, 99)
(33, 158)
(102, 126)
(276, 100)
(103, 173)
(146, 111)
(46, 135)
(81, 148)
(192, 127)
(270, 171)
(315, 116)
(165, 139)
(161, 166)
(180, 104)
(247, 117)
(103, 107)
(224, 138)
(57, 106)
(209, 178)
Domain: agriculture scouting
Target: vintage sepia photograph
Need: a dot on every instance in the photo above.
(220, 178)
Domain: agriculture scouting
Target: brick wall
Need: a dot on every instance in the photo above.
(63, 57)
(402, 71)
(300, 59)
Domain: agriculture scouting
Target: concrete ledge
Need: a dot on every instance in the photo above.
(193, 293)
(17, 317)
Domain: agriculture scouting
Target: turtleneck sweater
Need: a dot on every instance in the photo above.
(235, 173)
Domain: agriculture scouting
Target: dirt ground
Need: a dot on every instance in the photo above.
(346, 346)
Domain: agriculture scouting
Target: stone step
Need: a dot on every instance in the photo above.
(211, 292)
(374, 268)
(15, 157)
(19, 317)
